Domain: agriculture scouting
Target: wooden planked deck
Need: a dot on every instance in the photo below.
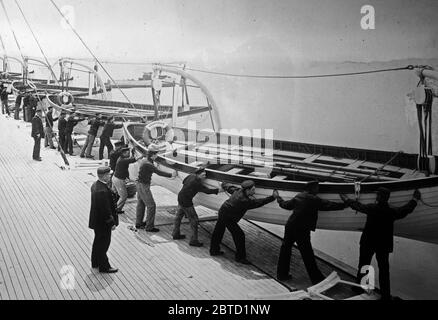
(43, 230)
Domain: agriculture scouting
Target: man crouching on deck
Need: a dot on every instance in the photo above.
(103, 220)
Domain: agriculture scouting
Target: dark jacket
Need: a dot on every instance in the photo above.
(37, 127)
(71, 123)
(146, 171)
(306, 206)
(49, 119)
(108, 129)
(4, 94)
(94, 126)
(103, 210)
(379, 227)
(122, 167)
(192, 184)
(62, 124)
(114, 156)
(237, 205)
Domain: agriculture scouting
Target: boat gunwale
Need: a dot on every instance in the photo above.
(295, 186)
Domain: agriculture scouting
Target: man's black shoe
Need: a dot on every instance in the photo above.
(110, 270)
(243, 261)
(179, 237)
(153, 230)
(284, 278)
(38, 159)
(82, 156)
(196, 244)
(216, 253)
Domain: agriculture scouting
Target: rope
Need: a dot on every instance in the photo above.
(381, 167)
(91, 52)
(36, 40)
(410, 67)
(12, 29)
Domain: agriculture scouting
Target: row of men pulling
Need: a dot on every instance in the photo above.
(377, 237)
(66, 125)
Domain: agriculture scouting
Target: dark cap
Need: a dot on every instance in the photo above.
(199, 170)
(311, 184)
(384, 191)
(124, 149)
(103, 170)
(247, 184)
(50, 107)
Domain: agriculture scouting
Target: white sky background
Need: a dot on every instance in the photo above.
(146, 30)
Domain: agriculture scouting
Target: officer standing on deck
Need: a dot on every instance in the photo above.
(192, 184)
(303, 220)
(377, 236)
(37, 134)
(103, 220)
(230, 213)
(105, 137)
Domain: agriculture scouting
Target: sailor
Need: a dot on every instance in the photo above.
(120, 175)
(62, 124)
(192, 184)
(72, 121)
(377, 236)
(18, 102)
(115, 154)
(37, 134)
(105, 137)
(94, 123)
(48, 141)
(232, 210)
(305, 206)
(4, 98)
(145, 198)
(103, 220)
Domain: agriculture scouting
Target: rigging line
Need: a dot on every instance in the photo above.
(375, 172)
(89, 50)
(36, 40)
(296, 77)
(12, 29)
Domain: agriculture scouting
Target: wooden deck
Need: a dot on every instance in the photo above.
(43, 234)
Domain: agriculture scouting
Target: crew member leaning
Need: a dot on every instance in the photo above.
(232, 210)
(305, 206)
(192, 184)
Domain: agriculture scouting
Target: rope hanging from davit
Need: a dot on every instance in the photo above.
(424, 100)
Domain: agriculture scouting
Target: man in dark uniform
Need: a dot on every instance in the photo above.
(91, 136)
(305, 206)
(145, 198)
(62, 124)
(18, 101)
(4, 98)
(120, 175)
(115, 154)
(192, 184)
(105, 137)
(230, 213)
(103, 220)
(72, 121)
(37, 134)
(377, 236)
(48, 141)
